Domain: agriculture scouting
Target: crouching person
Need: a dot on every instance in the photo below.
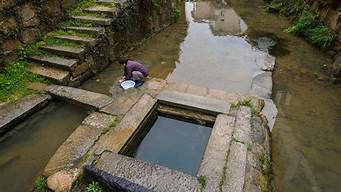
(133, 70)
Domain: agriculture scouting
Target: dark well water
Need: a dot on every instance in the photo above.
(174, 143)
(306, 137)
(24, 154)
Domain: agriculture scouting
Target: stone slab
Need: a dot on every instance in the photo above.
(121, 105)
(235, 168)
(72, 52)
(262, 85)
(270, 112)
(154, 177)
(80, 96)
(242, 132)
(193, 102)
(55, 61)
(102, 9)
(117, 138)
(77, 39)
(213, 163)
(91, 30)
(96, 20)
(112, 183)
(71, 152)
(12, 114)
(265, 61)
(58, 76)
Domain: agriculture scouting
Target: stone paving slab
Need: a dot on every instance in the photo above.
(96, 20)
(265, 61)
(193, 102)
(213, 163)
(65, 51)
(55, 61)
(121, 105)
(70, 153)
(59, 76)
(80, 96)
(117, 138)
(242, 131)
(154, 177)
(91, 30)
(77, 39)
(262, 85)
(12, 114)
(235, 168)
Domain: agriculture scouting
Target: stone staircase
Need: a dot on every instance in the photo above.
(69, 65)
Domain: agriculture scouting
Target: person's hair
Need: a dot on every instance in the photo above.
(123, 61)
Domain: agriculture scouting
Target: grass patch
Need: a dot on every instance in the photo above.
(76, 23)
(94, 187)
(202, 179)
(40, 184)
(70, 32)
(14, 79)
(321, 36)
(30, 50)
(61, 42)
(245, 103)
(83, 4)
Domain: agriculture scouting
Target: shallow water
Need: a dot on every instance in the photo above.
(25, 153)
(306, 137)
(175, 144)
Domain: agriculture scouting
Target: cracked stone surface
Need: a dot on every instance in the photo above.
(242, 131)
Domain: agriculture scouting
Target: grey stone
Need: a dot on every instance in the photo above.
(65, 51)
(30, 35)
(258, 132)
(270, 112)
(213, 163)
(96, 20)
(57, 76)
(265, 61)
(28, 15)
(262, 85)
(62, 180)
(150, 176)
(115, 139)
(13, 113)
(80, 96)
(121, 105)
(71, 152)
(102, 9)
(193, 102)
(77, 39)
(112, 183)
(91, 30)
(55, 61)
(242, 132)
(99, 120)
(235, 168)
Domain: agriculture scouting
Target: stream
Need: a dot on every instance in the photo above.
(213, 45)
(27, 149)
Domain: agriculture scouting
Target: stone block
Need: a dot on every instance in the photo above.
(213, 163)
(235, 168)
(153, 177)
(262, 85)
(30, 35)
(80, 96)
(12, 114)
(242, 132)
(28, 15)
(117, 138)
(193, 102)
(62, 181)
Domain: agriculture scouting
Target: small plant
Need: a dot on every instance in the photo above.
(304, 24)
(203, 182)
(76, 23)
(246, 103)
(321, 36)
(94, 187)
(176, 12)
(40, 184)
(29, 50)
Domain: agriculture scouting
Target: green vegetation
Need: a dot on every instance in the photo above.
(176, 12)
(246, 103)
(83, 4)
(14, 79)
(30, 49)
(76, 23)
(307, 23)
(94, 187)
(203, 182)
(266, 176)
(40, 184)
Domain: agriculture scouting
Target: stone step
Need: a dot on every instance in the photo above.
(106, 1)
(55, 61)
(99, 21)
(58, 76)
(90, 30)
(72, 52)
(102, 9)
(77, 39)
(193, 102)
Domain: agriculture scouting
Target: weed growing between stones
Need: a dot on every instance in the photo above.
(83, 4)
(246, 103)
(76, 23)
(40, 184)
(203, 182)
(94, 187)
(29, 50)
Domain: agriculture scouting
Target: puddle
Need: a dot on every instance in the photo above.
(174, 143)
(27, 150)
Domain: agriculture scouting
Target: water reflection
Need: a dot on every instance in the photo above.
(219, 62)
(222, 19)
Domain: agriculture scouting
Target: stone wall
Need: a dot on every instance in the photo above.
(25, 21)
